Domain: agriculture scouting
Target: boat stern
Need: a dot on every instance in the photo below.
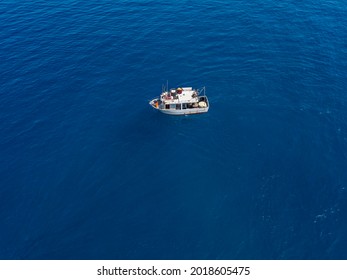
(154, 103)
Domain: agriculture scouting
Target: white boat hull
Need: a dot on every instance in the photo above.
(188, 111)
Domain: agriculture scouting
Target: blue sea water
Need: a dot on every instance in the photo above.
(88, 170)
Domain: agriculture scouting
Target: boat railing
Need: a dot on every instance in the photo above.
(202, 91)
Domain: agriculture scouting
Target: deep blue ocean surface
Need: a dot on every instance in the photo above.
(88, 170)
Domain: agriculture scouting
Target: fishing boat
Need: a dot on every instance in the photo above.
(181, 101)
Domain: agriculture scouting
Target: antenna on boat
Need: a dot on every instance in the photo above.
(167, 85)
